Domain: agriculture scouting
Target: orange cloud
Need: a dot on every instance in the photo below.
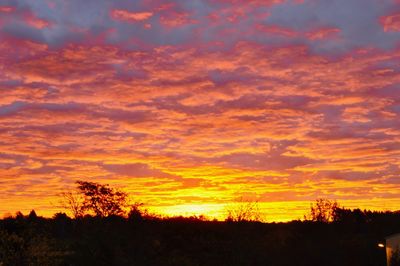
(186, 128)
(120, 14)
(188, 125)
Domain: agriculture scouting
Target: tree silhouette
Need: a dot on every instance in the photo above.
(32, 215)
(73, 202)
(323, 210)
(102, 200)
(244, 211)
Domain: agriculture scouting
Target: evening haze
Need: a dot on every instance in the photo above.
(192, 105)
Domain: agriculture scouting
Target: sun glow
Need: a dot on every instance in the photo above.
(209, 211)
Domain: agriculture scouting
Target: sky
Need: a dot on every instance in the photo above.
(192, 105)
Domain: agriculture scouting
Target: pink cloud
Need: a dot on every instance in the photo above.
(322, 33)
(27, 16)
(35, 22)
(120, 14)
(176, 19)
(391, 22)
(6, 9)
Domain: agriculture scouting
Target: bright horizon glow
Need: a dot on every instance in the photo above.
(192, 105)
(283, 211)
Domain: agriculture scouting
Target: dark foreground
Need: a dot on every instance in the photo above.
(32, 240)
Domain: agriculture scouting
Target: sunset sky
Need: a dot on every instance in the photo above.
(190, 105)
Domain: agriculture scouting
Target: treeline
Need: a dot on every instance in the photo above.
(117, 240)
(108, 231)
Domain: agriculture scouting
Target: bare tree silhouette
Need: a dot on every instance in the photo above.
(243, 211)
(73, 202)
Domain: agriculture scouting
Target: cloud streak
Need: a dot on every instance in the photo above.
(130, 16)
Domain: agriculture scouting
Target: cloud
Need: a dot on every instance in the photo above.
(322, 33)
(33, 21)
(283, 100)
(176, 19)
(391, 22)
(6, 9)
(139, 170)
(130, 16)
